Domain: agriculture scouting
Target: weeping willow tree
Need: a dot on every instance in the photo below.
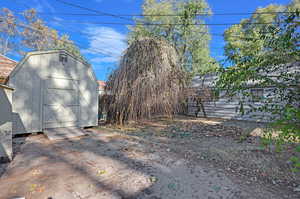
(148, 83)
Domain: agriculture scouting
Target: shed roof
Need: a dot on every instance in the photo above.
(19, 65)
(6, 67)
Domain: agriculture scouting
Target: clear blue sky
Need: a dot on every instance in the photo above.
(110, 39)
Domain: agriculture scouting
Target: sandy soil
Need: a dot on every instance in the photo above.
(182, 158)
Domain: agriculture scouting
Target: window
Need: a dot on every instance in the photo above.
(257, 94)
(63, 58)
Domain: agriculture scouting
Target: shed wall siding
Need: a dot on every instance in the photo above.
(88, 99)
(24, 107)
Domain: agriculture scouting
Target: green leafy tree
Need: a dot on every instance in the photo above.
(243, 40)
(274, 64)
(172, 20)
(29, 33)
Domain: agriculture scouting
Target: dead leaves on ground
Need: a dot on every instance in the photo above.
(36, 188)
(101, 172)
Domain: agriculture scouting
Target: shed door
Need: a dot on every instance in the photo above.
(61, 103)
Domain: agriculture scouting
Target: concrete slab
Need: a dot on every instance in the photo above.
(64, 133)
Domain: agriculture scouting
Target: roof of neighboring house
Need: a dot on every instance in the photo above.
(210, 79)
(6, 67)
(101, 85)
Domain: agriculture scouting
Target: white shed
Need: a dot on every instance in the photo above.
(53, 89)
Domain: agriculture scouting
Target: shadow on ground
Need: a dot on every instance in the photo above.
(111, 163)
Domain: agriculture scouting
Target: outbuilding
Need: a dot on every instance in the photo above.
(53, 89)
(227, 107)
(5, 123)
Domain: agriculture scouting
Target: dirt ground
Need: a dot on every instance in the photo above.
(181, 158)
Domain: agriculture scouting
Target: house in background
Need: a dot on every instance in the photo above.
(52, 89)
(101, 90)
(223, 106)
(6, 67)
(101, 87)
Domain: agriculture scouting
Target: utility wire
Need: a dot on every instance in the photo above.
(166, 15)
(72, 28)
(95, 50)
(100, 13)
(80, 32)
(157, 24)
(165, 24)
(84, 33)
(92, 10)
(144, 23)
(207, 33)
(77, 31)
(67, 42)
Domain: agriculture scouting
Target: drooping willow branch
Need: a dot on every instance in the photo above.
(148, 83)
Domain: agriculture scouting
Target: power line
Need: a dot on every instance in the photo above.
(213, 34)
(152, 24)
(145, 23)
(165, 15)
(92, 10)
(68, 42)
(84, 33)
(78, 31)
(100, 13)
(165, 24)
(103, 52)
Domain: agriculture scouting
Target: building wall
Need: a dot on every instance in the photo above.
(30, 81)
(26, 84)
(88, 97)
(226, 107)
(5, 124)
